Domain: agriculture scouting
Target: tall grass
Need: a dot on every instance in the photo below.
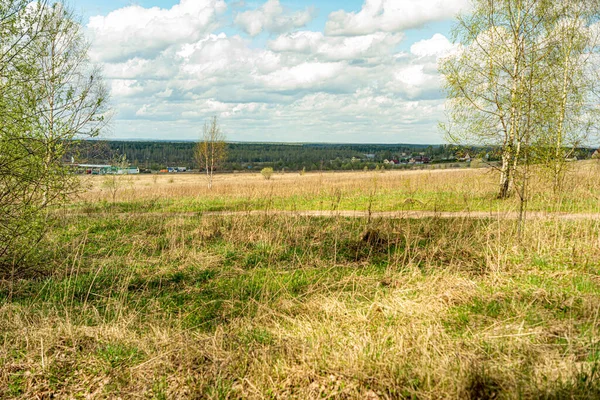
(433, 190)
(267, 305)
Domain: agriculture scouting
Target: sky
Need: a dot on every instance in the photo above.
(352, 71)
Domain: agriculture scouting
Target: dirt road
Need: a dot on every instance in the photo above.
(416, 214)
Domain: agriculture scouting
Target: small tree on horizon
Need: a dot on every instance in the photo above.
(267, 172)
(211, 150)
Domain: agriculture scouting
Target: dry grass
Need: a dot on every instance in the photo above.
(253, 185)
(261, 306)
(438, 189)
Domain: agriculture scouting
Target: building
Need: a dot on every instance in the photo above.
(127, 171)
(103, 169)
(92, 169)
(419, 160)
(176, 169)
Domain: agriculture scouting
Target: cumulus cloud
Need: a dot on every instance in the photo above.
(272, 17)
(136, 31)
(318, 45)
(299, 86)
(391, 16)
(309, 75)
(415, 82)
(437, 46)
(220, 54)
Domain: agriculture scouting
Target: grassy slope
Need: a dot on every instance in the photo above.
(282, 306)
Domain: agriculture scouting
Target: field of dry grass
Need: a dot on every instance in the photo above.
(438, 189)
(139, 302)
(248, 185)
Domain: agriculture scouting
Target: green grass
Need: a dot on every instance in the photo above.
(295, 307)
(357, 200)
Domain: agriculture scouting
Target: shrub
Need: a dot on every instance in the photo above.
(267, 172)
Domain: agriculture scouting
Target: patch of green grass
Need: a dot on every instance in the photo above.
(257, 335)
(16, 384)
(585, 385)
(315, 304)
(477, 314)
(584, 284)
(159, 388)
(119, 355)
(423, 198)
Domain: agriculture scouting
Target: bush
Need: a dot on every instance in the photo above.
(36, 136)
(267, 172)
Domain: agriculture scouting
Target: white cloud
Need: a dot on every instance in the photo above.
(299, 86)
(219, 54)
(304, 76)
(438, 46)
(272, 17)
(124, 88)
(143, 32)
(391, 16)
(324, 47)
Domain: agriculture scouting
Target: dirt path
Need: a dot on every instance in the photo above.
(417, 214)
(532, 215)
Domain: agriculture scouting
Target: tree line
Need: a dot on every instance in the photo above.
(158, 155)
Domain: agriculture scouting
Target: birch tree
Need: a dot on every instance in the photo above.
(69, 96)
(211, 150)
(571, 110)
(519, 81)
(49, 96)
(489, 80)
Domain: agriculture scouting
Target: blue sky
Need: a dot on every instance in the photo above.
(273, 70)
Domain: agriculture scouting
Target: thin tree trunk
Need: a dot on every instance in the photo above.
(509, 159)
(212, 159)
(505, 176)
(559, 156)
(208, 171)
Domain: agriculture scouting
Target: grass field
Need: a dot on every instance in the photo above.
(440, 189)
(132, 298)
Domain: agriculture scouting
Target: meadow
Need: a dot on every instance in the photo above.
(430, 190)
(154, 286)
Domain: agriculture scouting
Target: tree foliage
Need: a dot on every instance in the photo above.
(50, 95)
(520, 80)
(211, 150)
(267, 172)
(159, 155)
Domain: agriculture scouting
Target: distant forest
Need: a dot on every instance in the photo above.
(250, 156)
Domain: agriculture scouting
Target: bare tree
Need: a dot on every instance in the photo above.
(211, 150)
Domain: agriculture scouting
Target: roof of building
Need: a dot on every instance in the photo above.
(93, 165)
